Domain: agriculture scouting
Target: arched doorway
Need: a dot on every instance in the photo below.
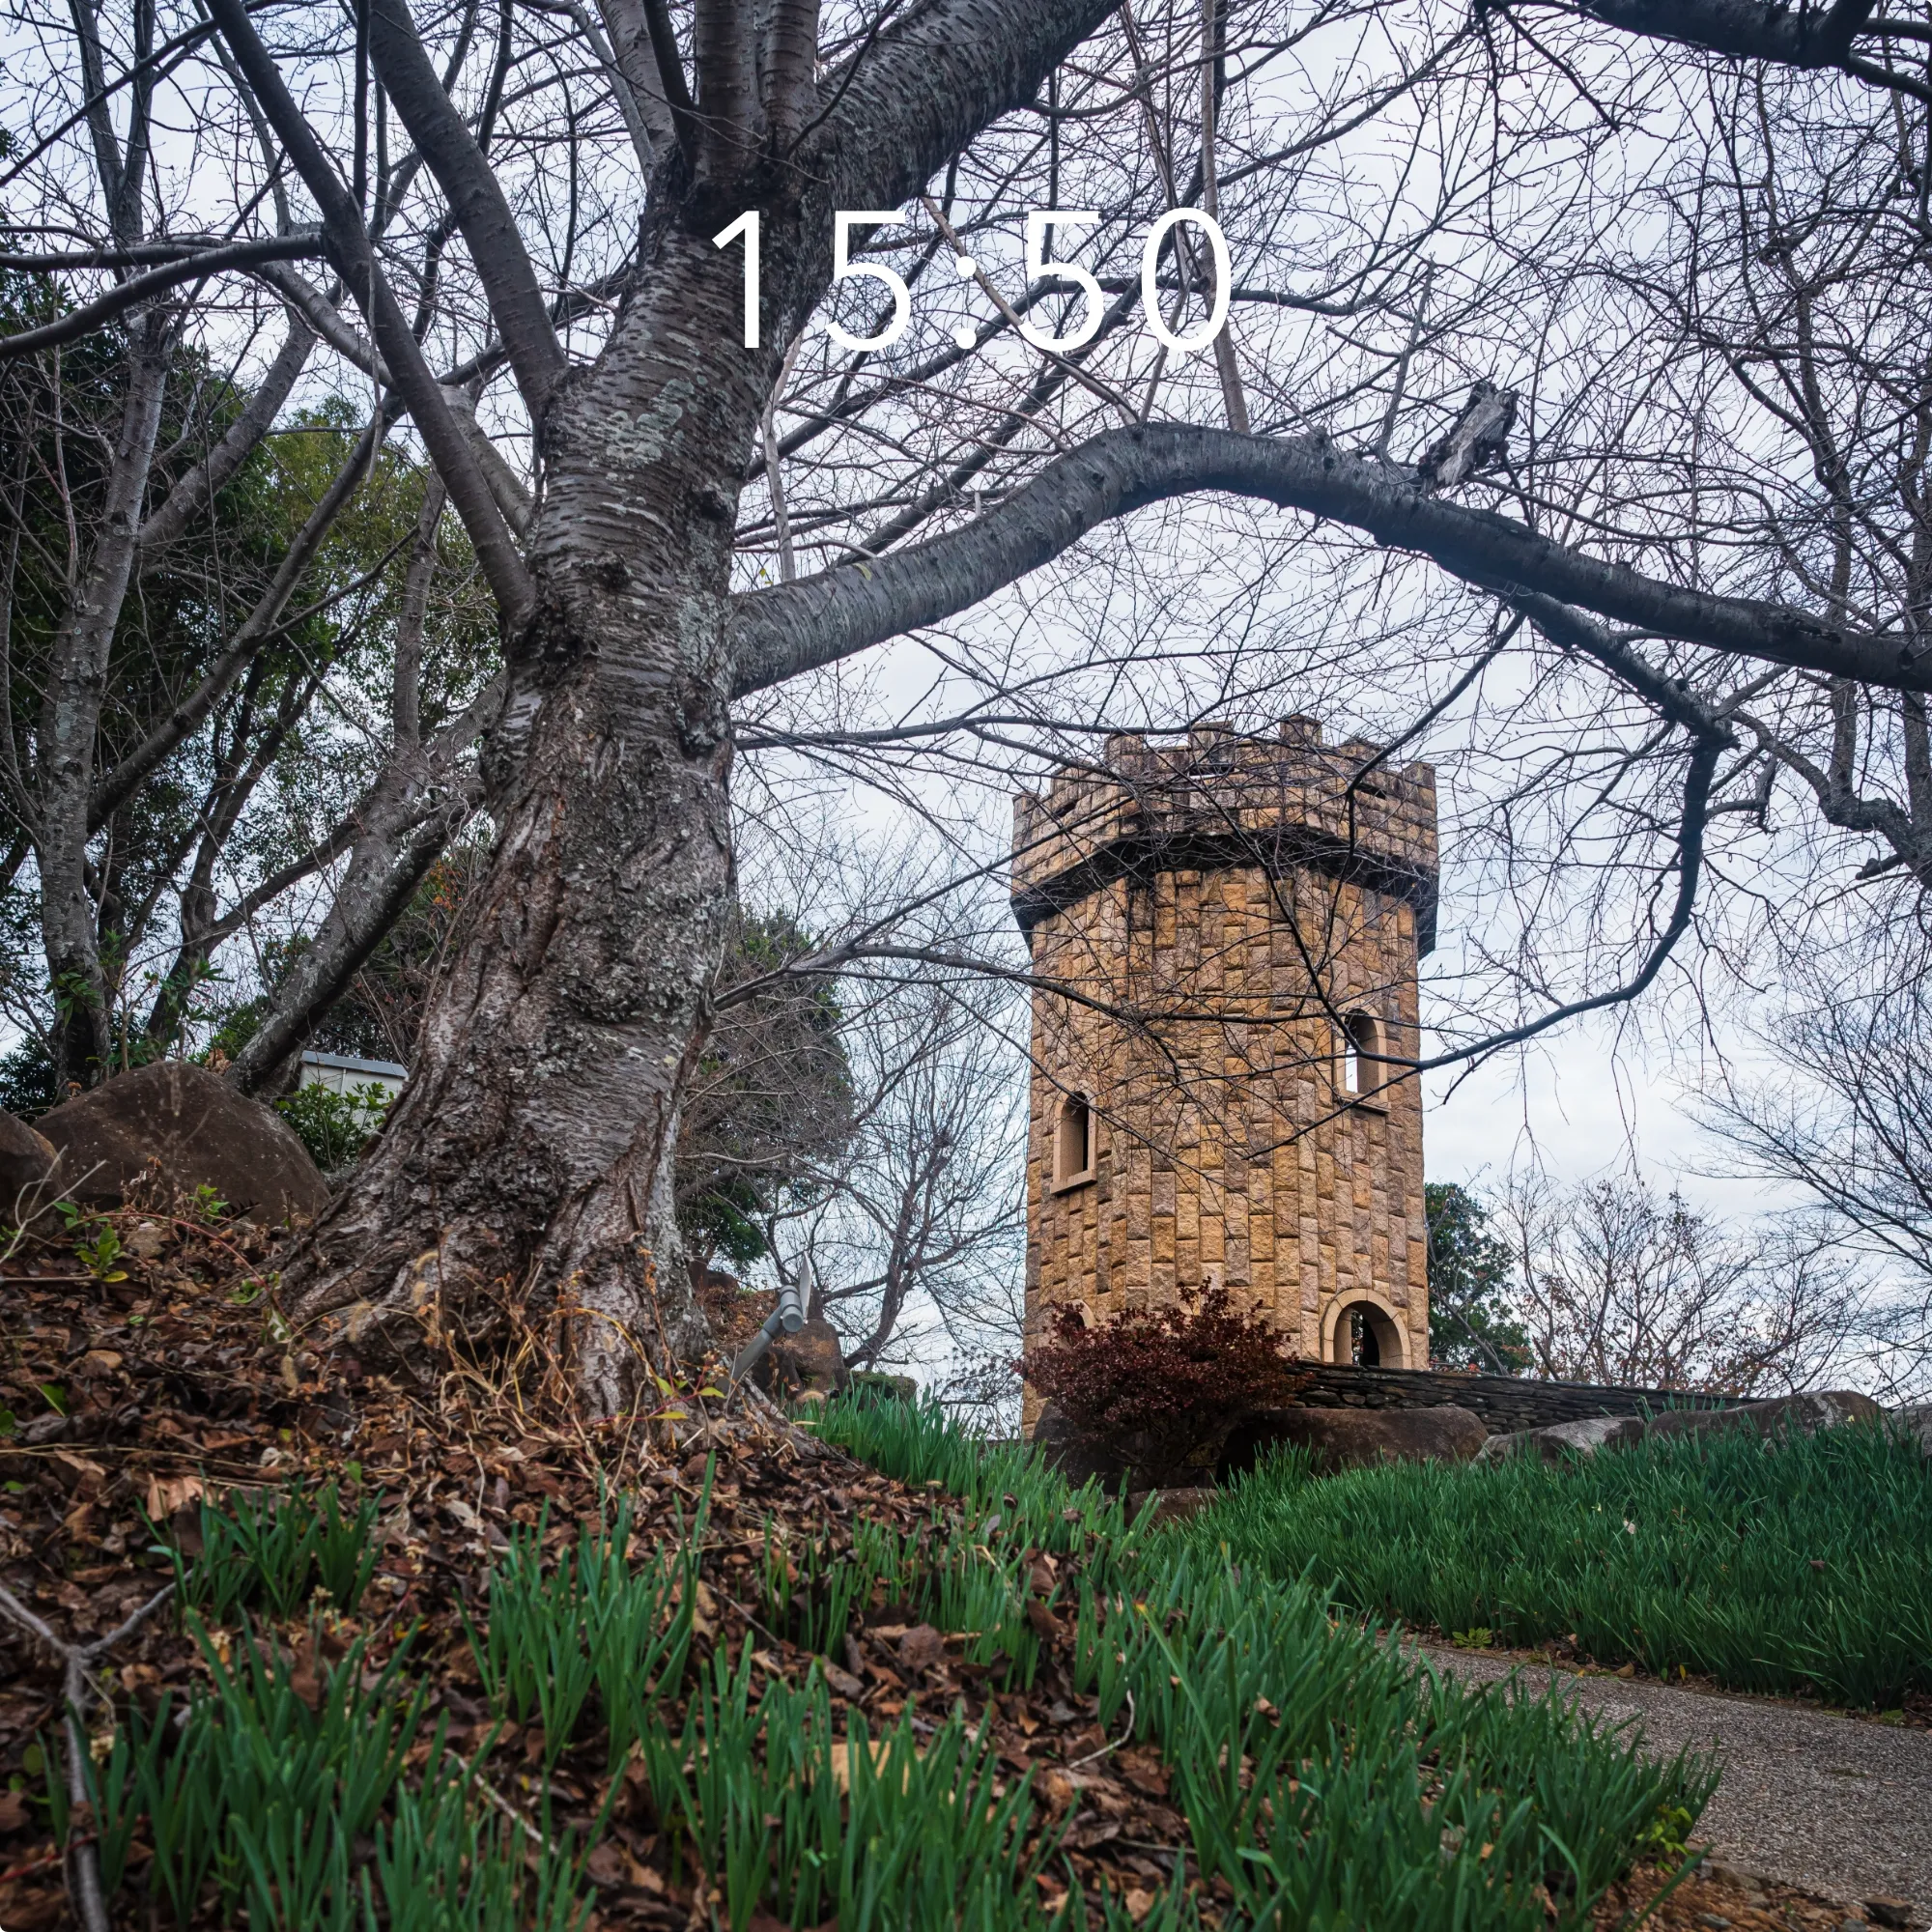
(1362, 1330)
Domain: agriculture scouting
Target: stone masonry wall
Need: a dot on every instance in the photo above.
(1504, 1402)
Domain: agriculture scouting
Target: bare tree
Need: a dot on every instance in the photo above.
(168, 643)
(771, 1107)
(672, 523)
(1617, 1286)
(919, 1223)
(1847, 1120)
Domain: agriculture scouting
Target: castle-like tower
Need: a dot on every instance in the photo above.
(1226, 934)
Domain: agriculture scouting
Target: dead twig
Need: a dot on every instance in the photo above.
(1113, 1745)
(82, 1863)
(502, 1804)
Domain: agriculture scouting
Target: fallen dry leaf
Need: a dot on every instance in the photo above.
(1047, 1626)
(89, 1474)
(921, 1648)
(1143, 1770)
(168, 1494)
(843, 1682)
(845, 1754)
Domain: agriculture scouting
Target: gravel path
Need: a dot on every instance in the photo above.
(1806, 1799)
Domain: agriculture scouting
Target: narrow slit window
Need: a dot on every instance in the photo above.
(1073, 1140)
(1361, 1051)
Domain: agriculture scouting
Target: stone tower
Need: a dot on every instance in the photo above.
(1236, 922)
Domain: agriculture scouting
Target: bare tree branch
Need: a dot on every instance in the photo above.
(143, 289)
(483, 214)
(786, 630)
(355, 261)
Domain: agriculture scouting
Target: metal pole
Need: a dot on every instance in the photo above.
(788, 1317)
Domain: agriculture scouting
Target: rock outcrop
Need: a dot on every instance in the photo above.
(1073, 1453)
(1915, 1423)
(1806, 1414)
(187, 1128)
(1355, 1438)
(26, 1164)
(808, 1363)
(1174, 1505)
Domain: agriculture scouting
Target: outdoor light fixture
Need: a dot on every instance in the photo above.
(787, 1317)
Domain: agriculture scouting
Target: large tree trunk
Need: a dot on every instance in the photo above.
(71, 723)
(531, 1153)
(530, 1156)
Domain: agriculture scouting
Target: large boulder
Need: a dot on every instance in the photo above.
(1803, 1414)
(1915, 1423)
(1356, 1438)
(1074, 1453)
(808, 1363)
(26, 1166)
(900, 1388)
(191, 1129)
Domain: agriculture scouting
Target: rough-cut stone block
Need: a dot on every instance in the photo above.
(1352, 1437)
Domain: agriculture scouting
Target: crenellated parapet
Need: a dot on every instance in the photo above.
(1220, 799)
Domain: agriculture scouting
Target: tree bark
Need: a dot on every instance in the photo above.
(530, 1156)
(531, 1150)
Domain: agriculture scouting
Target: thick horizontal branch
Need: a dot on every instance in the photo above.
(783, 630)
(140, 289)
(137, 255)
(1804, 36)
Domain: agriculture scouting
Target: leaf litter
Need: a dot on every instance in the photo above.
(139, 1403)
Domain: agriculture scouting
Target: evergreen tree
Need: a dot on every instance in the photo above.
(1472, 1321)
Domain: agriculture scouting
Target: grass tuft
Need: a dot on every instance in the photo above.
(1326, 1778)
(1795, 1564)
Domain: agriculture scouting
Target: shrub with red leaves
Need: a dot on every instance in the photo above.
(1156, 1388)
